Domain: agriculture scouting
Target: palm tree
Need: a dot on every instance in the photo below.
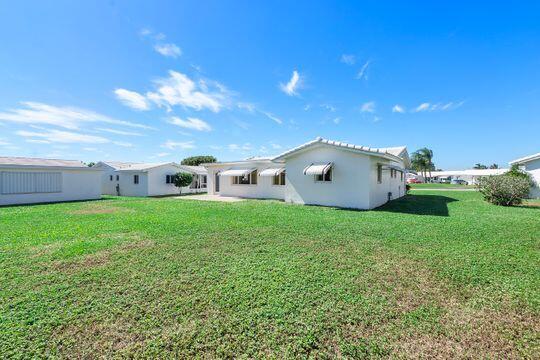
(422, 161)
(493, 166)
(479, 166)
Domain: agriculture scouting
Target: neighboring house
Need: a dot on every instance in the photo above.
(471, 176)
(531, 164)
(320, 172)
(146, 179)
(32, 180)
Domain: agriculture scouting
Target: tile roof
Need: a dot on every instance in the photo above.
(38, 162)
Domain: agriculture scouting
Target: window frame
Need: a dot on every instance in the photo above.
(324, 177)
(379, 174)
(136, 179)
(252, 179)
(117, 177)
(110, 178)
(280, 179)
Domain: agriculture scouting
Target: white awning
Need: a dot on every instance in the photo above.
(237, 172)
(318, 169)
(271, 172)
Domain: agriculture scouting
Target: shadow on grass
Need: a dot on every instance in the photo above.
(434, 205)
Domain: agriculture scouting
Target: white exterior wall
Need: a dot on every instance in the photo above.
(533, 168)
(108, 187)
(379, 191)
(350, 185)
(128, 187)
(157, 185)
(76, 185)
(264, 189)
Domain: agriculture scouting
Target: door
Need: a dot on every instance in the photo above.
(216, 182)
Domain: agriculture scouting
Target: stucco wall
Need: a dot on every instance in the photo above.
(157, 185)
(108, 187)
(128, 187)
(76, 185)
(533, 168)
(350, 179)
(379, 191)
(263, 190)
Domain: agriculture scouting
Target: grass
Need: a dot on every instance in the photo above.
(436, 274)
(435, 186)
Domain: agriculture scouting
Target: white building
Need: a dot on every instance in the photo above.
(31, 180)
(144, 179)
(320, 172)
(531, 164)
(471, 176)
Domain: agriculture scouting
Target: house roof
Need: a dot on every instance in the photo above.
(200, 170)
(131, 166)
(393, 153)
(526, 159)
(40, 162)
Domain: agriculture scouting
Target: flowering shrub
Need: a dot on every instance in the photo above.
(505, 190)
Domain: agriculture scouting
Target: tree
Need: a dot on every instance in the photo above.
(197, 160)
(422, 161)
(480, 166)
(90, 164)
(182, 179)
(505, 190)
(493, 166)
(517, 172)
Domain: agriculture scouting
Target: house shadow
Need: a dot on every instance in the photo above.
(434, 205)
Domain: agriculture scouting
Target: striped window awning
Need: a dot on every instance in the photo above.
(237, 172)
(318, 169)
(271, 172)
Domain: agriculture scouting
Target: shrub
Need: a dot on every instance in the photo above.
(182, 179)
(505, 190)
(407, 188)
(517, 172)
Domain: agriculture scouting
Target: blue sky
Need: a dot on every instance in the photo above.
(162, 80)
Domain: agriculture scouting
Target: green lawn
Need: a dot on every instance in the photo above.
(435, 274)
(441, 186)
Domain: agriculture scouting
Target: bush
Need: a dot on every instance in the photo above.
(407, 188)
(182, 179)
(505, 190)
(517, 172)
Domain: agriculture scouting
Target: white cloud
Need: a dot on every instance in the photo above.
(163, 154)
(272, 117)
(65, 137)
(307, 107)
(179, 90)
(236, 147)
(246, 106)
(368, 107)
(37, 141)
(275, 146)
(438, 107)
(362, 74)
(423, 107)
(119, 132)
(253, 109)
(215, 147)
(122, 143)
(35, 113)
(348, 59)
(132, 99)
(398, 109)
(169, 50)
(190, 123)
(328, 107)
(172, 145)
(291, 88)
(336, 120)
(376, 119)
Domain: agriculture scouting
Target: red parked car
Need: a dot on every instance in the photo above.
(413, 181)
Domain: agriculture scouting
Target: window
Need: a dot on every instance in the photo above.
(203, 182)
(110, 177)
(326, 177)
(168, 179)
(279, 179)
(30, 182)
(401, 173)
(379, 174)
(249, 179)
(135, 179)
(117, 177)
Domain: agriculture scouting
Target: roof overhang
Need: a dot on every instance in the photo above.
(237, 172)
(272, 171)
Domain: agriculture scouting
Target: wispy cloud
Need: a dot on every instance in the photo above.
(169, 50)
(328, 107)
(362, 74)
(275, 146)
(132, 99)
(295, 83)
(252, 108)
(190, 123)
(272, 117)
(172, 145)
(123, 143)
(236, 147)
(368, 107)
(163, 154)
(336, 120)
(348, 59)
(119, 132)
(429, 107)
(398, 109)
(67, 117)
(67, 137)
(246, 106)
(179, 90)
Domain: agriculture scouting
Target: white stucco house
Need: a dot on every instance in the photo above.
(320, 172)
(147, 179)
(33, 180)
(531, 164)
